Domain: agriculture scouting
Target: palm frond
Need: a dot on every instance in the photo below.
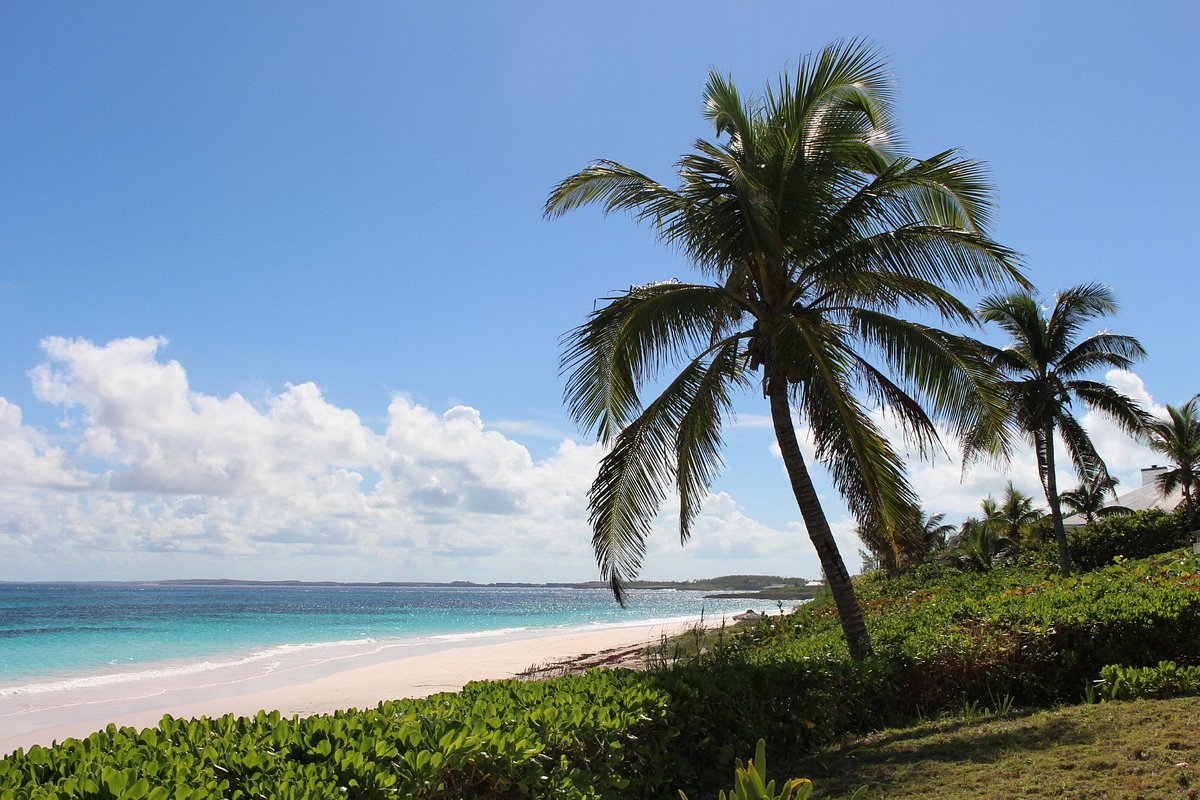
(1072, 308)
(631, 482)
(723, 107)
(624, 343)
(930, 253)
(1019, 316)
(617, 188)
(698, 435)
(950, 373)
(1082, 451)
(1111, 403)
(1103, 350)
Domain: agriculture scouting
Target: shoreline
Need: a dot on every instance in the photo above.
(355, 681)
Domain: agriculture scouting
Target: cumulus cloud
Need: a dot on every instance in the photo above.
(28, 460)
(140, 414)
(179, 482)
(150, 478)
(945, 487)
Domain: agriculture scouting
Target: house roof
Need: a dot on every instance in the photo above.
(1142, 498)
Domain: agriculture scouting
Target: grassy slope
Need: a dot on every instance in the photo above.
(1143, 749)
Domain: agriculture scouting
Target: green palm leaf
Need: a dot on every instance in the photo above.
(818, 233)
(1041, 368)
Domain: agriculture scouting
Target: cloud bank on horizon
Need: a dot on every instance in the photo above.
(147, 478)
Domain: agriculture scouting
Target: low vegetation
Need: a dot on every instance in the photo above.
(947, 643)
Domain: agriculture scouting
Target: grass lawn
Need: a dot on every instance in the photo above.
(1142, 749)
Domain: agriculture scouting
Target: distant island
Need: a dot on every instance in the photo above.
(763, 587)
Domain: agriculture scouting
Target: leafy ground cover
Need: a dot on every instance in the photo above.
(567, 738)
(1141, 749)
(946, 642)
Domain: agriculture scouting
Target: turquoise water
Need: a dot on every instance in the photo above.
(60, 632)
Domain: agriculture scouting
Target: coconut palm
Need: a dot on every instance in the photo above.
(1015, 512)
(982, 548)
(1178, 438)
(992, 518)
(982, 541)
(902, 547)
(1044, 367)
(924, 535)
(1090, 499)
(815, 231)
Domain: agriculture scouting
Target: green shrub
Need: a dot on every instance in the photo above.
(969, 637)
(1136, 535)
(585, 736)
(1166, 679)
(944, 640)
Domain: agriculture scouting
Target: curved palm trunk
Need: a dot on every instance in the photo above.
(853, 626)
(1050, 484)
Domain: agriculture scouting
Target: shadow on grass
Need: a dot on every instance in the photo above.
(966, 741)
(878, 760)
(954, 727)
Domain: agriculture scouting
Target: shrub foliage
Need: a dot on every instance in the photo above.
(1136, 535)
(944, 640)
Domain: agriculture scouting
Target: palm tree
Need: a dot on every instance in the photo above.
(1015, 512)
(1178, 438)
(935, 532)
(926, 534)
(881, 549)
(897, 549)
(1090, 499)
(1044, 368)
(982, 541)
(815, 231)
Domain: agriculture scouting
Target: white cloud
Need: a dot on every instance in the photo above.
(183, 483)
(27, 460)
(944, 487)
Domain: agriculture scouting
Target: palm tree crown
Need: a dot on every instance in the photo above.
(1015, 512)
(1044, 368)
(1178, 438)
(815, 231)
(982, 541)
(1090, 499)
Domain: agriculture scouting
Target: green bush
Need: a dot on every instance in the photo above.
(1136, 535)
(574, 737)
(1166, 679)
(944, 640)
(968, 637)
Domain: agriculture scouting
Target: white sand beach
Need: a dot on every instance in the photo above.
(350, 682)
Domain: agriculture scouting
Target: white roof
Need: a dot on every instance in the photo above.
(1142, 498)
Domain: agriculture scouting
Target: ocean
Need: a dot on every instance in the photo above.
(66, 638)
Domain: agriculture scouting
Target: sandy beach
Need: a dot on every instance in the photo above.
(352, 683)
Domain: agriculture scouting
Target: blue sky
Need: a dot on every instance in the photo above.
(277, 299)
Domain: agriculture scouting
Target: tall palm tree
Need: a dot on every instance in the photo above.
(814, 231)
(1178, 438)
(1044, 367)
(1090, 499)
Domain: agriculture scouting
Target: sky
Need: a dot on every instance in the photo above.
(278, 301)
